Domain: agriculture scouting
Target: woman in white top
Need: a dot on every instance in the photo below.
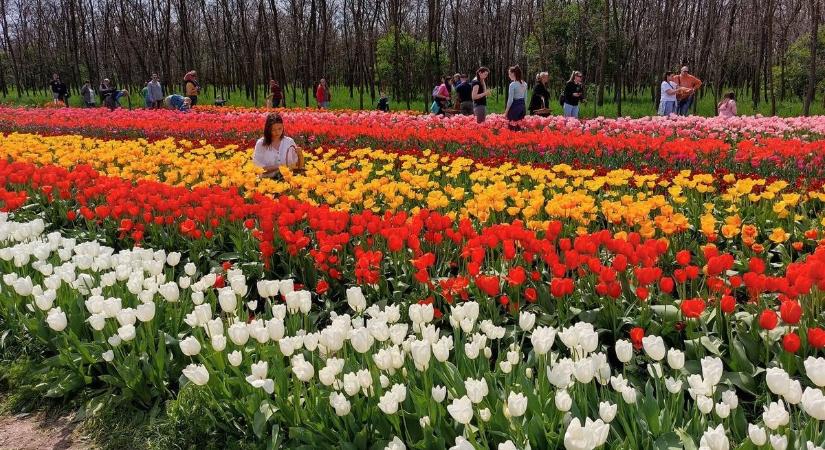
(667, 104)
(275, 150)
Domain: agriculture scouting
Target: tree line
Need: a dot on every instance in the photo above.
(766, 49)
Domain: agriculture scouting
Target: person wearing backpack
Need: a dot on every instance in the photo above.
(573, 94)
(480, 93)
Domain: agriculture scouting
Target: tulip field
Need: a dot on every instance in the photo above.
(425, 282)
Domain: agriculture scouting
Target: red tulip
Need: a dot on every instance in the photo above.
(791, 312)
(693, 308)
(768, 319)
(791, 342)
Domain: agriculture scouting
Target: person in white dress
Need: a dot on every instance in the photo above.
(275, 149)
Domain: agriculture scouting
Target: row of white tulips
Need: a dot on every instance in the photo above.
(392, 370)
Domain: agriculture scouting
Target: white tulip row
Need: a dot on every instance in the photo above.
(375, 352)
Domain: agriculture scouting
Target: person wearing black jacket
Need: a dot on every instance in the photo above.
(540, 101)
(465, 95)
(573, 94)
(59, 90)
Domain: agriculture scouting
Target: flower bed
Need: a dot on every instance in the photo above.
(412, 299)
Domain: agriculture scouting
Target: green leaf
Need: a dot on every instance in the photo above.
(668, 441)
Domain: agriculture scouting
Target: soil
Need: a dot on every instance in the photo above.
(39, 432)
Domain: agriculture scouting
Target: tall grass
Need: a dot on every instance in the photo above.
(638, 105)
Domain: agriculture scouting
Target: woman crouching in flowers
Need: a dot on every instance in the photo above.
(275, 150)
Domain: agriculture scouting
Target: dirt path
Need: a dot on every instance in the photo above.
(37, 432)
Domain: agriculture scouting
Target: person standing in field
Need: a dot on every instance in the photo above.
(480, 94)
(192, 87)
(322, 95)
(276, 94)
(727, 107)
(147, 101)
(516, 108)
(464, 93)
(667, 99)
(59, 90)
(155, 92)
(688, 85)
(573, 94)
(88, 94)
(540, 101)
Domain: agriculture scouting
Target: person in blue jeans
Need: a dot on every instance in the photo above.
(177, 102)
(573, 94)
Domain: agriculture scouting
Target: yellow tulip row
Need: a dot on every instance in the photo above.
(377, 180)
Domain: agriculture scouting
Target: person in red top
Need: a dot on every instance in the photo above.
(688, 85)
(322, 95)
(275, 99)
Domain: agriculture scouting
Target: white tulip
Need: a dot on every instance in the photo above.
(704, 404)
(654, 346)
(127, 332)
(476, 389)
(56, 319)
(461, 409)
(629, 395)
(362, 340)
(516, 404)
(542, 339)
(815, 370)
(461, 443)
(218, 343)
(108, 355)
(813, 403)
(197, 374)
(169, 291)
(190, 346)
(715, 439)
(439, 393)
(227, 299)
(340, 403)
(607, 411)
(356, 299)
(420, 351)
(794, 394)
(757, 435)
(235, 358)
(722, 410)
(775, 415)
(731, 399)
(779, 442)
(388, 404)
(238, 333)
(624, 350)
(507, 445)
(712, 370)
(675, 359)
(778, 380)
(526, 320)
(563, 401)
(145, 312)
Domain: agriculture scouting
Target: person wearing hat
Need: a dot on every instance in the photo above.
(686, 94)
(464, 92)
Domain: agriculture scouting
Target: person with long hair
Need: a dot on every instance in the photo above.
(516, 108)
(441, 97)
(727, 107)
(667, 98)
(191, 86)
(540, 101)
(573, 94)
(480, 93)
(275, 149)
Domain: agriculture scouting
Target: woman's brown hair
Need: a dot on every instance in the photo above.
(272, 119)
(516, 72)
